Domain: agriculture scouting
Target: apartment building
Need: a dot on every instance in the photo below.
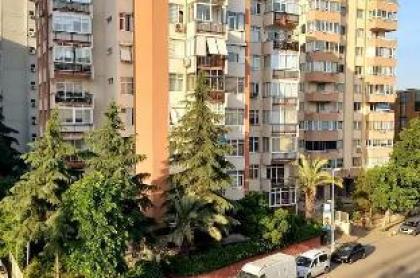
(305, 76)
(407, 107)
(18, 90)
(347, 88)
(85, 62)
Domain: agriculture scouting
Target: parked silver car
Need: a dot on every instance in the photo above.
(410, 227)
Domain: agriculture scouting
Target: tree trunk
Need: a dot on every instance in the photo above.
(57, 266)
(309, 205)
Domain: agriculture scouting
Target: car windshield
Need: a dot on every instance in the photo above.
(303, 261)
(346, 249)
(244, 274)
(410, 224)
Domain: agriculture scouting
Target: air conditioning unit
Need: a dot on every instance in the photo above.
(187, 62)
(31, 33)
(179, 27)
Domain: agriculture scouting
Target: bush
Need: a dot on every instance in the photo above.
(215, 258)
(146, 269)
(275, 226)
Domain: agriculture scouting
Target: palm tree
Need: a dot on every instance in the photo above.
(311, 174)
(189, 215)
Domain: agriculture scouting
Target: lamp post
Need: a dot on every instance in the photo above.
(333, 209)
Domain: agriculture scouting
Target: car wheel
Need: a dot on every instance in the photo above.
(351, 260)
(364, 255)
(326, 269)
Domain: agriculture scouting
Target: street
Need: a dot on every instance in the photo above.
(388, 257)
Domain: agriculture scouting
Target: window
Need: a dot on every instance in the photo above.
(234, 117)
(33, 103)
(357, 89)
(254, 144)
(236, 21)
(126, 22)
(255, 34)
(358, 70)
(72, 23)
(176, 13)
(357, 106)
(256, 62)
(237, 147)
(254, 171)
(237, 178)
(203, 12)
(126, 54)
(254, 117)
(176, 82)
(360, 32)
(359, 51)
(266, 144)
(127, 85)
(255, 90)
(110, 81)
(360, 13)
(256, 8)
(357, 125)
(325, 26)
(285, 60)
(417, 102)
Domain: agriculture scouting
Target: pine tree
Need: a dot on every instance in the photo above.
(35, 201)
(199, 151)
(104, 207)
(9, 158)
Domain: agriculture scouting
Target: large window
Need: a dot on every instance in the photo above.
(76, 116)
(285, 60)
(176, 13)
(254, 144)
(325, 5)
(69, 54)
(72, 23)
(282, 89)
(234, 116)
(285, 6)
(237, 147)
(127, 85)
(176, 82)
(254, 171)
(284, 144)
(325, 26)
(203, 12)
(68, 90)
(237, 178)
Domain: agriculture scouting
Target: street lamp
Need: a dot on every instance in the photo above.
(333, 209)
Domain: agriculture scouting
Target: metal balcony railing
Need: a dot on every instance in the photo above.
(211, 27)
(73, 6)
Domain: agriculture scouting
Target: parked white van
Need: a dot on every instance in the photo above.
(275, 266)
(312, 263)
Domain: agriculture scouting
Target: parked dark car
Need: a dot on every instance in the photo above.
(349, 253)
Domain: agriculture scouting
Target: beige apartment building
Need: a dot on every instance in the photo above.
(290, 76)
(18, 90)
(347, 88)
(85, 58)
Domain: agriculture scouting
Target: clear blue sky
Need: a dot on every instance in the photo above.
(408, 71)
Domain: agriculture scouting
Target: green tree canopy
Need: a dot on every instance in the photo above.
(34, 205)
(199, 151)
(9, 159)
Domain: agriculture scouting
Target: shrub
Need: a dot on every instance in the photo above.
(215, 258)
(275, 226)
(146, 269)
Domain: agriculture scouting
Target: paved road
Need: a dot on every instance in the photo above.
(388, 257)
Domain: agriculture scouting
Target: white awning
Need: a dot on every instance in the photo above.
(212, 46)
(200, 46)
(221, 45)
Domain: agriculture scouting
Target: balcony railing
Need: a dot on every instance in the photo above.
(213, 61)
(279, 74)
(292, 155)
(71, 68)
(85, 98)
(211, 27)
(74, 37)
(286, 45)
(286, 20)
(284, 100)
(284, 128)
(73, 6)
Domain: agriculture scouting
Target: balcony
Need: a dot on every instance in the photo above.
(285, 74)
(74, 6)
(285, 20)
(72, 37)
(324, 77)
(389, 98)
(284, 101)
(286, 45)
(211, 62)
(74, 99)
(284, 128)
(72, 69)
(378, 25)
(284, 156)
(210, 27)
(323, 96)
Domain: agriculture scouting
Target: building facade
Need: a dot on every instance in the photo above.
(18, 90)
(305, 76)
(85, 57)
(407, 107)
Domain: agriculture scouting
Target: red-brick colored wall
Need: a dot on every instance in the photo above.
(233, 269)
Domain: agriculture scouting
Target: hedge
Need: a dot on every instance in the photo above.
(220, 256)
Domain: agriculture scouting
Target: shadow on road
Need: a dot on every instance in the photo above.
(400, 272)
